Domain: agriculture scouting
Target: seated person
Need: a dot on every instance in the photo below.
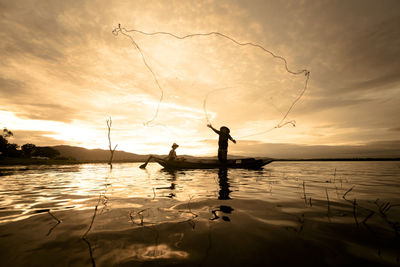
(171, 156)
(172, 153)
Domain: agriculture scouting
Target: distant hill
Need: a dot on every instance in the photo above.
(83, 154)
(102, 155)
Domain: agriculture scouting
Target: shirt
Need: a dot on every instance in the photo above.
(223, 140)
(172, 155)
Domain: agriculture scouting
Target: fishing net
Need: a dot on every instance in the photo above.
(213, 78)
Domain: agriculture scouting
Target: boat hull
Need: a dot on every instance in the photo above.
(249, 163)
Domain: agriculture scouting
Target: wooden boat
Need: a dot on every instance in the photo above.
(248, 163)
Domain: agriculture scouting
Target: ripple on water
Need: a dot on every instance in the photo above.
(190, 217)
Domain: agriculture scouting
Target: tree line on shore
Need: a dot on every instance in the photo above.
(8, 149)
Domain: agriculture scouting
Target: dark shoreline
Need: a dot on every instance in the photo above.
(25, 161)
(22, 161)
(343, 159)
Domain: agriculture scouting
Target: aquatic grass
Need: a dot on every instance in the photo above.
(355, 211)
(383, 210)
(327, 197)
(304, 192)
(367, 217)
(301, 221)
(300, 228)
(305, 196)
(383, 207)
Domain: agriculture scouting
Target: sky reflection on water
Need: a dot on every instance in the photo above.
(320, 213)
(25, 189)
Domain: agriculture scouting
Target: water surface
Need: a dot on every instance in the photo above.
(320, 212)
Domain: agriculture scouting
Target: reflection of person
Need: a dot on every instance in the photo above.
(222, 141)
(171, 176)
(223, 184)
(172, 153)
(223, 195)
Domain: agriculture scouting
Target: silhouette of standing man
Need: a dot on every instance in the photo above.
(223, 142)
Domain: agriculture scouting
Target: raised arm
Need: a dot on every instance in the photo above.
(233, 140)
(212, 128)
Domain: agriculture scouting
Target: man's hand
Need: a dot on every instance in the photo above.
(209, 125)
(234, 141)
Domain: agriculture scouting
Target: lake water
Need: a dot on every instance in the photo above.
(299, 213)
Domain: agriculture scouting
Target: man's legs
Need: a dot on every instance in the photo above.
(222, 155)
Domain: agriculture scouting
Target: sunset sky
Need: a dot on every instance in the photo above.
(63, 73)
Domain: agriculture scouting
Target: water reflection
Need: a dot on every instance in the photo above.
(225, 210)
(24, 190)
(125, 222)
(223, 184)
(171, 177)
(223, 194)
(103, 199)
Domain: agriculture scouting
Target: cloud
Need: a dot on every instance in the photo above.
(377, 47)
(385, 80)
(52, 112)
(18, 96)
(38, 138)
(11, 87)
(60, 62)
(373, 149)
(333, 102)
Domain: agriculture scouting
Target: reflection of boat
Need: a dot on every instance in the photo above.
(249, 163)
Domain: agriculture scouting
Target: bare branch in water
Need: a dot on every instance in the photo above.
(52, 228)
(348, 191)
(84, 236)
(112, 150)
(55, 218)
(132, 217)
(90, 251)
(190, 210)
(94, 216)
